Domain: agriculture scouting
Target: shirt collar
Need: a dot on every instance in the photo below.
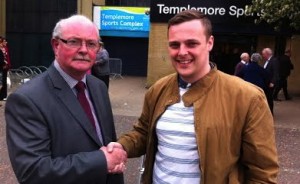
(70, 80)
(182, 83)
(269, 58)
(185, 85)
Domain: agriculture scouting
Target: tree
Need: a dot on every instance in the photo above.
(279, 13)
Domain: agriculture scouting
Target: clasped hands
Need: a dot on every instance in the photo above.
(116, 157)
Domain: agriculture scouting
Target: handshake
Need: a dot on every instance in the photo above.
(116, 157)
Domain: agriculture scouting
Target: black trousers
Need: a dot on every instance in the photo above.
(269, 95)
(281, 84)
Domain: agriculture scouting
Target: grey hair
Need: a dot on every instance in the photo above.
(57, 31)
(244, 55)
(256, 57)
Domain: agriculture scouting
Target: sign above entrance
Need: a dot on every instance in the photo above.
(122, 21)
(218, 10)
(227, 16)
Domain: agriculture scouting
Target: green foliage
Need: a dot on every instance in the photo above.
(278, 13)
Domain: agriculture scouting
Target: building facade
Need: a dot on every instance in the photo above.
(248, 38)
(28, 26)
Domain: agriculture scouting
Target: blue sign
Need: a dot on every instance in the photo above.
(122, 21)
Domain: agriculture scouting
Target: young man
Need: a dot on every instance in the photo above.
(200, 125)
(59, 122)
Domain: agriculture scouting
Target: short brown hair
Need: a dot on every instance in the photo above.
(189, 15)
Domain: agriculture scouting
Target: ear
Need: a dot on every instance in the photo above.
(54, 44)
(210, 43)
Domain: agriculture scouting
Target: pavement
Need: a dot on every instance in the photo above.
(127, 97)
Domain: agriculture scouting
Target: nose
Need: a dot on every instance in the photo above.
(83, 48)
(182, 50)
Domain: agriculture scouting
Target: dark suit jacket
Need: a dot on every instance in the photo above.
(273, 70)
(101, 66)
(50, 138)
(285, 66)
(255, 74)
(238, 68)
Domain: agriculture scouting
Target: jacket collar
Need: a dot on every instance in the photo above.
(200, 88)
(196, 91)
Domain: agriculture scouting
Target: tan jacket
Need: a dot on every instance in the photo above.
(234, 129)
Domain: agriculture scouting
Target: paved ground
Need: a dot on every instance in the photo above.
(127, 99)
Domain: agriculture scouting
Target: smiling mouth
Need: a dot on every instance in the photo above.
(184, 61)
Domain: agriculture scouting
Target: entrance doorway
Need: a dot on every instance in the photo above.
(228, 48)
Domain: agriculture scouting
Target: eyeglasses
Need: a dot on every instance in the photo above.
(76, 43)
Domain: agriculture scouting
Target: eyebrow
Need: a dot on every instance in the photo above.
(185, 41)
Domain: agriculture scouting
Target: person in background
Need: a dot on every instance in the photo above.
(244, 61)
(58, 123)
(101, 67)
(5, 65)
(2, 63)
(200, 125)
(271, 66)
(285, 67)
(256, 74)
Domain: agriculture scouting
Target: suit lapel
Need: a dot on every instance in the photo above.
(68, 98)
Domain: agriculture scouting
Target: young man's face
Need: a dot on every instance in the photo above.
(189, 50)
(75, 61)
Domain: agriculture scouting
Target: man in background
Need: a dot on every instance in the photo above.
(101, 67)
(271, 66)
(285, 67)
(244, 61)
(255, 74)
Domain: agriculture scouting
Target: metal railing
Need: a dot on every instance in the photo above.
(141, 169)
(24, 73)
(115, 66)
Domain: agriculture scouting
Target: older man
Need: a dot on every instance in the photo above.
(244, 61)
(59, 122)
(256, 74)
(271, 65)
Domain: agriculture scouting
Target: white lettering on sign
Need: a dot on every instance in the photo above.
(120, 20)
(122, 23)
(109, 23)
(206, 10)
(233, 10)
(117, 17)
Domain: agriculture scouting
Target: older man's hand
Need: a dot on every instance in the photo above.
(116, 157)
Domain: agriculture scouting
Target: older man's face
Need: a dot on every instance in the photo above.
(76, 61)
